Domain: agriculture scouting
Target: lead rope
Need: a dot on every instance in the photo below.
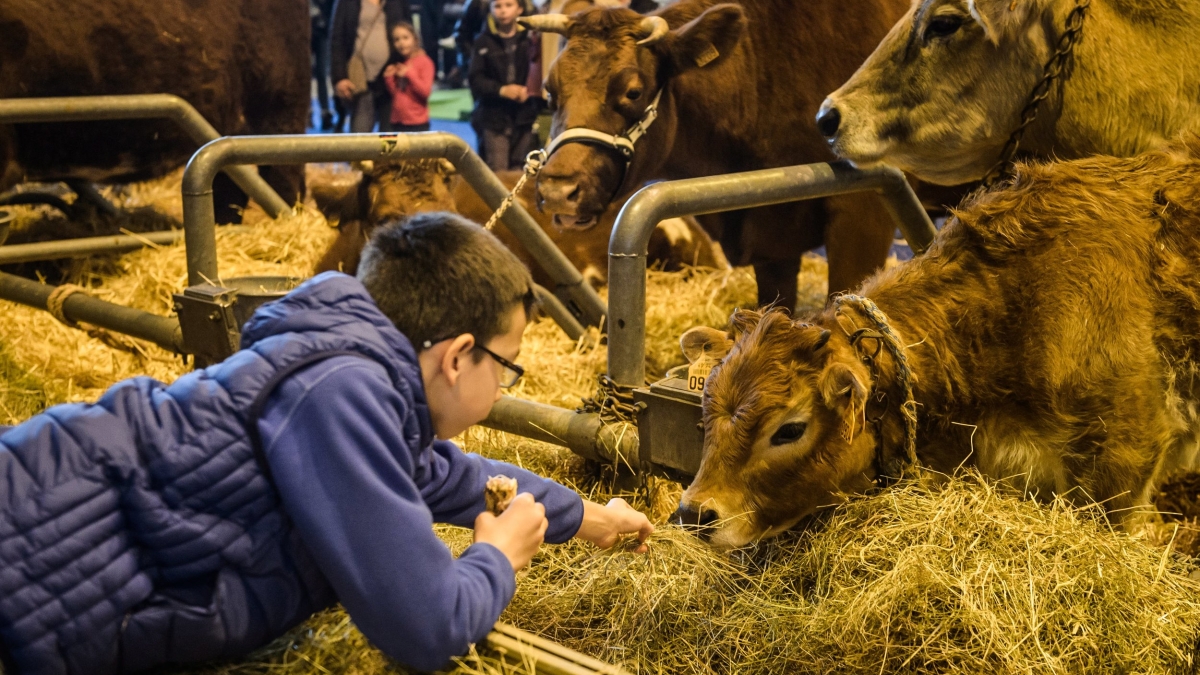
(533, 166)
(904, 376)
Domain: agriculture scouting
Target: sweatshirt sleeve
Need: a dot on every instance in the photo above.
(452, 484)
(343, 467)
(483, 87)
(420, 78)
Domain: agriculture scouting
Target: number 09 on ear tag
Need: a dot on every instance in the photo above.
(698, 372)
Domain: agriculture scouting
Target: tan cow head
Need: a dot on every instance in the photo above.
(385, 191)
(614, 63)
(941, 94)
(783, 429)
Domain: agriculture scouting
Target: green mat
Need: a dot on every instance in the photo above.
(451, 104)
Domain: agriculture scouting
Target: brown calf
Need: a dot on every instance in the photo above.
(1053, 332)
(395, 190)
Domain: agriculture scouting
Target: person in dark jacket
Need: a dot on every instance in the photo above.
(505, 110)
(170, 524)
(320, 13)
(471, 23)
(360, 29)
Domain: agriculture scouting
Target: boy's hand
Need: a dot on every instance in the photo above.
(604, 525)
(518, 532)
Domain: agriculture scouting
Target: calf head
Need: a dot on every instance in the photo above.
(941, 94)
(386, 191)
(783, 429)
(615, 63)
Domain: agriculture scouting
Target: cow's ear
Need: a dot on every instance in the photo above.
(707, 39)
(703, 341)
(845, 391)
(743, 321)
(1001, 18)
(341, 201)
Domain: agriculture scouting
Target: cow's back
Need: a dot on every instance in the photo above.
(243, 65)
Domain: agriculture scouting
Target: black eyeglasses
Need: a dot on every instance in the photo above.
(510, 372)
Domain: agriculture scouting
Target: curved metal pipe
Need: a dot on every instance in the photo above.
(714, 194)
(140, 106)
(162, 331)
(199, 223)
(583, 433)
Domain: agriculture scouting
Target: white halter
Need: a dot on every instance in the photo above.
(622, 144)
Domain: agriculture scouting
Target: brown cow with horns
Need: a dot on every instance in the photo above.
(735, 86)
(1053, 338)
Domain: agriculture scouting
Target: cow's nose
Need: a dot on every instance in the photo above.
(701, 522)
(828, 119)
(555, 191)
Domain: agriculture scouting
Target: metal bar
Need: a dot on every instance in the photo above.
(198, 205)
(714, 194)
(546, 657)
(582, 433)
(162, 331)
(80, 248)
(556, 310)
(140, 106)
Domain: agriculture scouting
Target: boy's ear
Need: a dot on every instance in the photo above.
(845, 392)
(704, 341)
(452, 361)
(707, 39)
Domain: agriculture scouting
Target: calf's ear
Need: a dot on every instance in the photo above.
(707, 39)
(703, 341)
(1002, 18)
(341, 201)
(845, 392)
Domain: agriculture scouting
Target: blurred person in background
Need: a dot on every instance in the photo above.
(360, 34)
(505, 109)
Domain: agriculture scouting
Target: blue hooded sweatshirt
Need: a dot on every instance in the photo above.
(140, 530)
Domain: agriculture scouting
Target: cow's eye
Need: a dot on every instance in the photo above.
(633, 94)
(551, 105)
(943, 26)
(788, 433)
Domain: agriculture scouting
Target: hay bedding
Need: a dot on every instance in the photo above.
(936, 576)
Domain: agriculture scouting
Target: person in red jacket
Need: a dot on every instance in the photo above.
(409, 80)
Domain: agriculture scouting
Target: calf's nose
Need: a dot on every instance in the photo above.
(828, 119)
(699, 521)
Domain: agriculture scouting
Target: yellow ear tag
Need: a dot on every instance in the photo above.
(707, 56)
(699, 371)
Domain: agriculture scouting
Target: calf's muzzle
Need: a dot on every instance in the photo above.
(829, 118)
(700, 522)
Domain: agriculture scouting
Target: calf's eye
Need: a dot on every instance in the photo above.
(943, 26)
(633, 94)
(788, 433)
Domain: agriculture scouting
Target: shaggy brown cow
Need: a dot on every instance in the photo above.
(945, 89)
(739, 84)
(243, 65)
(396, 189)
(1052, 332)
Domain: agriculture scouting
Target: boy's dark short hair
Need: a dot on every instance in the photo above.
(438, 275)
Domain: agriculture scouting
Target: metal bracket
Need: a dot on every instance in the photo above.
(669, 429)
(210, 328)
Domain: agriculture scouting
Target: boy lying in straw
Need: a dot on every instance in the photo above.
(198, 520)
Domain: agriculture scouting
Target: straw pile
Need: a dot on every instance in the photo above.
(931, 577)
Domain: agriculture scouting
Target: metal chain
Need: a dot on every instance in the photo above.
(613, 402)
(1052, 71)
(533, 165)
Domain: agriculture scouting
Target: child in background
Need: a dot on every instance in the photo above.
(409, 81)
(504, 109)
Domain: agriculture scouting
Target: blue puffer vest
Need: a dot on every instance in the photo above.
(139, 530)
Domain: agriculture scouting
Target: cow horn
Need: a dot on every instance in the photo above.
(654, 28)
(547, 23)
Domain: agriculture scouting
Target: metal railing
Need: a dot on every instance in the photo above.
(714, 194)
(140, 106)
(199, 224)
